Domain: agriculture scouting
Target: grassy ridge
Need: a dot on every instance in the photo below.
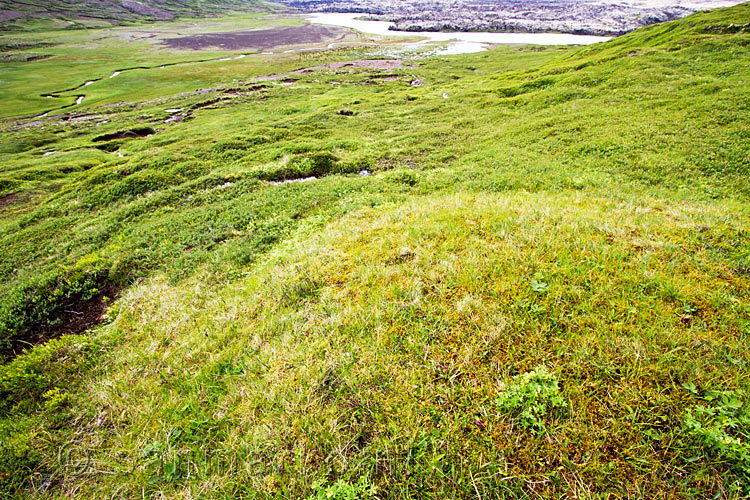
(540, 289)
(59, 14)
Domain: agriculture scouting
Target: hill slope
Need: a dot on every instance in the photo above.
(115, 11)
(526, 277)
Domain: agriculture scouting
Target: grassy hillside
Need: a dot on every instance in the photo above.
(526, 277)
(22, 15)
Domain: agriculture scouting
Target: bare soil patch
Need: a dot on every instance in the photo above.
(8, 199)
(259, 39)
(126, 134)
(75, 318)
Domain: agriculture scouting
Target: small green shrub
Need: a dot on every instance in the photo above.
(40, 303)
(315, 164)
(20, 455)
(7, 186)
(405, 177)
(531, 86)
(28, 379)
(531, 397)
(304, 287)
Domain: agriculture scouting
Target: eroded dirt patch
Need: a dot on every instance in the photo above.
(126, 134)
(8, 199)
(259, 39)
(75, 318)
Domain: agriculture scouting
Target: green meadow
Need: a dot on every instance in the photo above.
(527, 277)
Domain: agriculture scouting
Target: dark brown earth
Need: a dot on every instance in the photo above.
(7, 199)
(76, 318)
(126, 134)
(259, 39)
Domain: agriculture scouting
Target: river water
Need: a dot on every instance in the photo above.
(461, 42)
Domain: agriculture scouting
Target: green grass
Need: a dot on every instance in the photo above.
(75, 57)
(539, 290)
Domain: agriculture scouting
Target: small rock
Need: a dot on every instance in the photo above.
(364, 173)
(292, 181)
(176, 118)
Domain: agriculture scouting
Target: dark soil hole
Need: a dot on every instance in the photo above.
(8, 199)
(205, 104)
(75, 318)
(126, 134)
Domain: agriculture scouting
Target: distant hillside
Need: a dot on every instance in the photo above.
(116, 11)
(590, 17)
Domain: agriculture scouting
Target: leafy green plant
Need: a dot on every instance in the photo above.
(532, 397)
(538, 285)
(341, 490)
(721, 427)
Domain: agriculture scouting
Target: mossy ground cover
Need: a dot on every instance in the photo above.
(540, 289)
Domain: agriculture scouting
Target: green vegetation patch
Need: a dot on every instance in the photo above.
(531, 397)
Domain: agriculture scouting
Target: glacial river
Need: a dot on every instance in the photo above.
(462, 43)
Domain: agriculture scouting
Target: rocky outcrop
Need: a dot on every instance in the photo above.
(595, 17)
